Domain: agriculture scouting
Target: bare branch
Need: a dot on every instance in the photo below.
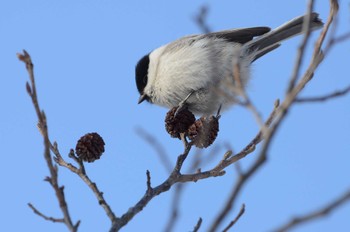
(335, 40)
(174, 211)
(322, 212)
(232, 223)
(82, 174)
(316, 59)
(327, 97)
(61, 220)
(334, 7)
(157, 146)
(174, 208)
(177, 177)
(242, 179)
(244, 176)
(218, 170)
(42, 122)
(149, 195)
(201, 19)
(239, 88)
(149, 187)
(198, 225)
(293, 90)
(301, 49)
(196, 162)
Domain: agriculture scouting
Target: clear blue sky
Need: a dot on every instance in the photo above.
(85, 53)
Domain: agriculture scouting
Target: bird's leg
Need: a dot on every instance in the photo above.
(218, 113)
(182, 105)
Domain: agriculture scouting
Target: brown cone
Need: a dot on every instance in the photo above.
(90, 147)
(179, 124)
(204, 131)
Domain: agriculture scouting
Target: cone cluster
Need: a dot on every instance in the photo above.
(202, 132)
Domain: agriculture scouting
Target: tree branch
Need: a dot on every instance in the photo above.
(157, 147)
(232, 223)
(322, 212)
(201, 19)
(198, 225)
(83, 175)
(44, 216)
(149, 195)
(316, 59)
(301, 50)
(323, 98)
(177, 177)
(293, 90)
(42, 121)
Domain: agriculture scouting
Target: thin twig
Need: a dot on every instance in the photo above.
(148, 196)
(322, 212)
(334, 7)
(61, 220)
(198, 225)
(232, 223)
(164, 158)
(282, 111)
(301, 50)
(336, 40)
(237, 188)
(83, 175)
(316, 59)
(53, 179)
(149, 187)
(175, 205)
(247, 102)
(229, 159)
(294, 90)
(326, 97)
(42, 121)
(174, 208)
(201, 19)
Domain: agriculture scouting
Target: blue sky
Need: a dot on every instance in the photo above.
(85, 53)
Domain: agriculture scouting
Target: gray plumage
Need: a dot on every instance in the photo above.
(204, 64)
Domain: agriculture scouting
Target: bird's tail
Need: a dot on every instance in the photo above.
(271, 40)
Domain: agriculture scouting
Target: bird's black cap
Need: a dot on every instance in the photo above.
(141, 73)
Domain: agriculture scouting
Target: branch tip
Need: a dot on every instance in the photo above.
(277, 103)
(29, 89)
(149, 187)
(198, 225)
(227, 154)
(52, 219)
(25, 57)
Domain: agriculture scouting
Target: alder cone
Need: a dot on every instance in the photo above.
(204, 131)
(180, 123)
(90, 147)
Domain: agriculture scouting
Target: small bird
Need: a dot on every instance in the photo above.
(197, 71)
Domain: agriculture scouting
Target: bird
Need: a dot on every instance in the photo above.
(199, 72)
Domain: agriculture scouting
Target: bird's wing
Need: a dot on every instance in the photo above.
(240, 35)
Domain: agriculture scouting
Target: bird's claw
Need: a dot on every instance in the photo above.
(183, 104)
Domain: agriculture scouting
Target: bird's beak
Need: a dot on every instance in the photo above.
(142, 98)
